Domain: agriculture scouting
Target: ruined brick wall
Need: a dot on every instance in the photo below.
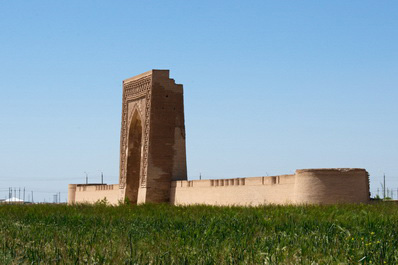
(81, 193)
(240, 191)
(167, 157)
(308, 186)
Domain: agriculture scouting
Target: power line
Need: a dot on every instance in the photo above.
(42, 179)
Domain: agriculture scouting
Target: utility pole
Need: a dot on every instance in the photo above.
(384, 186)
(19, 193)
(102, 177)
(86, 177)
(32, 196)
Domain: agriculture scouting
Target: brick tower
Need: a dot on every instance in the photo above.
(152, 139)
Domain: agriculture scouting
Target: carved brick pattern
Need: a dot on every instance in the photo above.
(123, 136)
(134, 90)
(137, 86)
(146, 137)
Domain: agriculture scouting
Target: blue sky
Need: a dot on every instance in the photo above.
(270, 86)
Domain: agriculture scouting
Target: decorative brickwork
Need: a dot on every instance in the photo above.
(163, 146)
(134, 90)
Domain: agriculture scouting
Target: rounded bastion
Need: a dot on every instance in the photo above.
(331, 185)
(72, 193)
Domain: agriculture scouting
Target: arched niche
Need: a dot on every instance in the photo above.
(134, 154)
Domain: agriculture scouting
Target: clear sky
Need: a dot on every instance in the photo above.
(270, 86)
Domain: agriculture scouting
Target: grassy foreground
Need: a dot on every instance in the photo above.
(164, 234)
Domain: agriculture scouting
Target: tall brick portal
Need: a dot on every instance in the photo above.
(152, 141)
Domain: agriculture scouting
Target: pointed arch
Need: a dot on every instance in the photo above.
(134, 156)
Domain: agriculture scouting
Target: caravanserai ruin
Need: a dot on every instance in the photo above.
(153, 162)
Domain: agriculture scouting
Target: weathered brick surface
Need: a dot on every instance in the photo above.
(307, 186)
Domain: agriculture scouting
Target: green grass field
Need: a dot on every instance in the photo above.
(164, 234)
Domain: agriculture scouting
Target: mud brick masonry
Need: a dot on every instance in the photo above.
(153, 162)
